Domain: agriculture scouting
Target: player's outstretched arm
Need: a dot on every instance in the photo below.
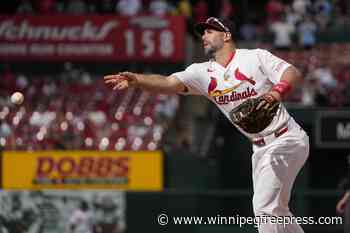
(290, 79)
(152, 82)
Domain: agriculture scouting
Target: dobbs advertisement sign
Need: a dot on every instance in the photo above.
(82, 169)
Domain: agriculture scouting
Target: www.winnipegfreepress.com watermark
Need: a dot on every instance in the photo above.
(164, 219)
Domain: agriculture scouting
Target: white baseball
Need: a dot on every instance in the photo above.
(17, 98)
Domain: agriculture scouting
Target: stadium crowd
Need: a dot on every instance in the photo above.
(76, 110)
(52, 116)
(285, 20)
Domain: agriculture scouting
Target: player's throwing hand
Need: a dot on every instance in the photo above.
(121, 80)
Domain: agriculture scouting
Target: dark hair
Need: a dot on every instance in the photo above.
(84, 205)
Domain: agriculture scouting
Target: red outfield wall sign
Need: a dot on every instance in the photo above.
(92, 38)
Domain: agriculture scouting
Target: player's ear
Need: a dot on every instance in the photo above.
(228, 36)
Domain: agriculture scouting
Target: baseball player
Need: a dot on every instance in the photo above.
(81, 219)
(248, 86)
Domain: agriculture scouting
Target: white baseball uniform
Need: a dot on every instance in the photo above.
(82, 221)
(280, 150)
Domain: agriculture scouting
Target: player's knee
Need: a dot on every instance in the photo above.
(269, 206)
(258, 206)
(260, 209)
(270, 210)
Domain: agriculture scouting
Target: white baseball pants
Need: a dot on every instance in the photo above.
(275, 167)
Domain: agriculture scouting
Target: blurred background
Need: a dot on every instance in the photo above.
(56, 52)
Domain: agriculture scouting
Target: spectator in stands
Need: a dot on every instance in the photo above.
(106, 216)
(65, 207)
(326, 83)
(81, 219)
(5, 129)
(292, 17)
(167, 106)
(282, 32)
(200, 11)
(129, 7)
(274, 9)
(323, 7)
(309, 91)
(306, 33)
(323, 10)
(324, 74)
(22, 82)
(159, 7)
(184, 8)
(227, 9)
(25, 7)
(301, 7)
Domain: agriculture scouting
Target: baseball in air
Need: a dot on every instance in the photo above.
(17, 98)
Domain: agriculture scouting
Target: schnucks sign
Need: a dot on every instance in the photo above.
(92, 38)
